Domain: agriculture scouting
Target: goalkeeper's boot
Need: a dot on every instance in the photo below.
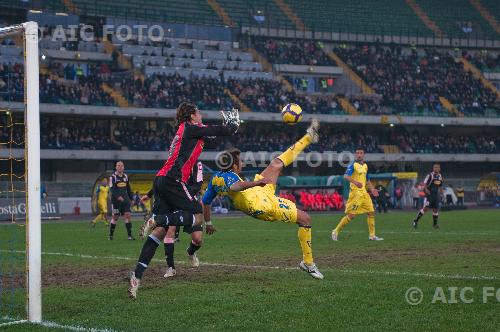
(170, 272)
(133, 286)
(193, 259)
(311, 269)
(335, 235)
(375, 238)
(148, 225)
(312, 131)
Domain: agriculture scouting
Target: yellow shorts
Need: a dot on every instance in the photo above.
(271, 207)
(359, 203)
(103, 208)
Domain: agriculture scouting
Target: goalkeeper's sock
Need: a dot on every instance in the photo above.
(147, 254)
(112, 228)
(344, 221)
(304, 234)
(169, 251)
(371, 225)
(293, 152)
(192, 248)
(128, 226)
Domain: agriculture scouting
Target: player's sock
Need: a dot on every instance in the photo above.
(293, 152)
(192, 248)
(169, 246)
(128, 225)
(419, 215)
(304, 235)
(177, 230)
(147, 254)
(96, 219)
(371, 225)
(344, 221)
(435, 217)
(112, 228)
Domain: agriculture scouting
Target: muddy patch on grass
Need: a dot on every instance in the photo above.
(68, 275)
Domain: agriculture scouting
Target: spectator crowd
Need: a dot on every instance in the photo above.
(413, 81)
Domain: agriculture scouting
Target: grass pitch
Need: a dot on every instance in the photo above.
(249, 278)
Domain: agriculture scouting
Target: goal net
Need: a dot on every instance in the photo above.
(20, 230)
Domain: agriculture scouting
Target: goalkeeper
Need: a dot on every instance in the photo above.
(170, 188)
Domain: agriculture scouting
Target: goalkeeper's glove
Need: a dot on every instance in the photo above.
(231, 117)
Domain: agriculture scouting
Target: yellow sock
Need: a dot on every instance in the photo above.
(371, 225)
(97, 218)
(344, 221)
(292, 152)
(305, 243)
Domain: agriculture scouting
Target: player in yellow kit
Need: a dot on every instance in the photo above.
(102, 202)
(258, 199)
(359, 201)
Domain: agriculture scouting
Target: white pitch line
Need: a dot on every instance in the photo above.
(13, 323)
(72, 327)
(56, 326)
(286, 268)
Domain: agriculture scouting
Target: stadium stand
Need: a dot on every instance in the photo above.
(256, 12)
(387, 17)
(93, 134)
(412, 81)
(458, 18)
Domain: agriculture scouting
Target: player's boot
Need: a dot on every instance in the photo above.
(436, 226)
(170, 273)
(335, 235)
(313, 130)
(92, 224)
(131, 238)
(110, 237)
(133, 286)
(193, 259)
(415, 224)
(311, 269)
(148, 225)
(375, 238)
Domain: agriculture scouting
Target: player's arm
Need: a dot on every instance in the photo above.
(427, 182)
(207, 199)
(112, 188)
(371, 188)
(148, 196)
(348, 176)
(243, 185)
(214, 130)
(129, 191)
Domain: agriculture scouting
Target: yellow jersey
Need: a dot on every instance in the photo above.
(102, 194)
(358, 171)
(249, 201)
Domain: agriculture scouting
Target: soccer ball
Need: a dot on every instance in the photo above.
(291, 114)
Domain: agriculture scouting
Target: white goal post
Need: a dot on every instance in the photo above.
(32, 166)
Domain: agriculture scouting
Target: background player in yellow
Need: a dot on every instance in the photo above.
(258, 199)
(102, 202)
(359, 201)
